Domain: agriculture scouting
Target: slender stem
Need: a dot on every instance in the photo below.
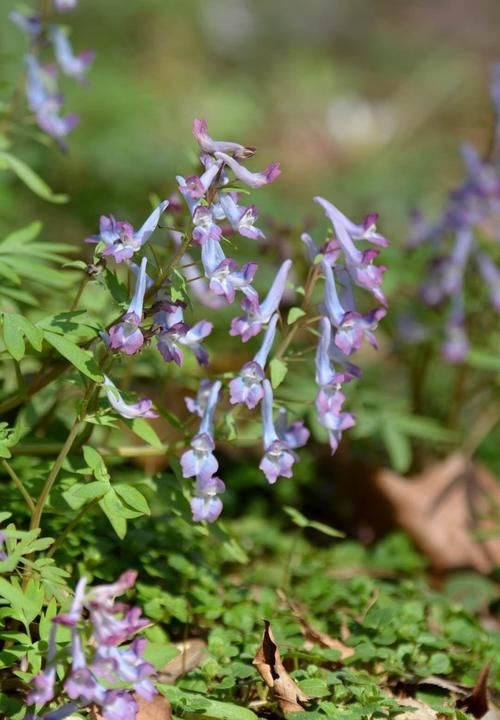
(124, 451)
(292, 331)
(484, 424)
(40, 504)
(83, 284)
(19, 484)
(71, 525)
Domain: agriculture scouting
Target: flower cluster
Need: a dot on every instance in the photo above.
(463, 242)
(156, 312)
(42, 89)
(100, 663)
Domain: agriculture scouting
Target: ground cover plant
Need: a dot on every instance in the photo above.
(167, 384)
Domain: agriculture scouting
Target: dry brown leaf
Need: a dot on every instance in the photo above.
(192, 654)
(441, 509)
(156, 709)
(417, 710)
(271, 669)
(312, 635)
(477, 703)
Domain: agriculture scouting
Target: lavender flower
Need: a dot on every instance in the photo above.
(119, 238)
(253, 180)
(351, 327)
(456, 345)
(241, 219)
(359, 264)
(258, 315)
(65, 5)
(491, 276)
(454, 268)
(295, 435)
(247, 387)
(204, 226)
(140, 409)
(174, 333)
(75, 66)
(278, 457)
(206, 505)
(30, 24)
(198, 405)
(194, 187)
(200, 131)
(200, 460)
(127, 335)
(223, 274)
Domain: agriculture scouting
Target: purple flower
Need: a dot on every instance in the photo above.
(198, 284)
(454, 267)
(198, 405)
(295, 435)
(30, 24)
(73, 65)
(43, 690)
(127, 335)
(204, 226)
(140, 409)
(223, 274)
(175, 334)
(491, 276)
(247, 387)
(194, 187)
(258, 315)
(330, 250)
(205, 505)
(119, 238)
(253, 180)
(200, 131)
(119, 705)
(359, 264)
(278, 456)
(3, 555)
(65, 5)
(200, 460)
(456, 344)
(241, 219)
(329, 401)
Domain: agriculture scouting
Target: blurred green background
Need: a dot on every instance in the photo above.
(365, 103)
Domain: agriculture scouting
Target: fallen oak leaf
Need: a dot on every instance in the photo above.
(156, 709)
(313, 635)
(442, 507)
(192, 652)
(271, 669)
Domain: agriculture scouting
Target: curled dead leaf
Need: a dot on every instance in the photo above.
(477, 702)
(417, 710)
(156, 709)
(192, 652)
(271, 669)
(443, 509)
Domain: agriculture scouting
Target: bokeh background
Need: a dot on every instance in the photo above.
(364, 103)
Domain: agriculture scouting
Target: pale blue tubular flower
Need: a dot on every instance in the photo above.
(65, 5)
(205, 228)
(240, 218)
(455, 265)
(140, 409)
(252, 179)
(120, 240)
(247, 386)
(127, 336)
(200, 131)
(351, 328)
(174, 333)
(75, 66)
(295, 435)
(223, 274)
(456, 343)
(200, 462)
(359, 264)
(258, 315)
(198, 405)
(30, 24)
(279, 457)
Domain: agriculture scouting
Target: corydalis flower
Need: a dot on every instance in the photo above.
(295, 435)
(140, 409)
(252, 179)
(30, 24)
(200, 131)
(127, 336)
(198, 405)
(200, 461)
(359, 263)
(65, 5)
(174, 334)
(278, 457)
(223, 274)
(241, 219)
(75, 66)
(247, 387)
(119, 239)
(351, 327)
(491, 276)
(258, 315)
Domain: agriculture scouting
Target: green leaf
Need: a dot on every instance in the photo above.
(82, 360)
(13, 336)
(314, 687)
(31, 332)
(294, 314)
(12, 593)
(133, 498)
(112, 507)
(80, 494)
(185, 702)
(397, 445)
(483, 360)
(29, 177)
(278, 369)
(143, 429)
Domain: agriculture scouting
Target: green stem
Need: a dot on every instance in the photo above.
(81, 288)
(71, 525)
(124, 451)
(292, 331)
(19, 484)
(40, 504)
